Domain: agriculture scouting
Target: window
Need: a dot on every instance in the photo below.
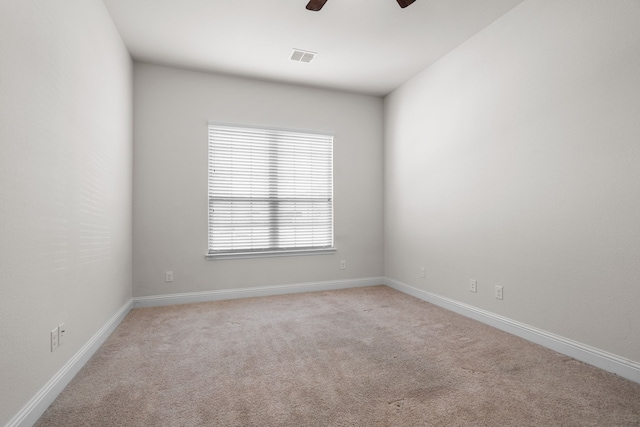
(270, 192)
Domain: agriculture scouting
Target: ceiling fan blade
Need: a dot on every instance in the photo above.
(316, 5)
(405, 3)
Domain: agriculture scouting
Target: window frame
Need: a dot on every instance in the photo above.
(268, 251)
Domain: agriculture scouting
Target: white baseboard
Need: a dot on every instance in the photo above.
(30, 413)
(607, 361)
(191, 297)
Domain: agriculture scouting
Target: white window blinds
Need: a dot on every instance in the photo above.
(269, 190)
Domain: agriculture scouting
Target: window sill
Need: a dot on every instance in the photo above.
(240, 255)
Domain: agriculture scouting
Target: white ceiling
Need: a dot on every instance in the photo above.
(365, 46)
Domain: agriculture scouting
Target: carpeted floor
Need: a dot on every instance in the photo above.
(357, 357)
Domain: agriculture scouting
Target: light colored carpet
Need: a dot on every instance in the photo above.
(357, 357)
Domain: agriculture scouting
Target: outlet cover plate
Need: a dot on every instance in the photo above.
(54, 339)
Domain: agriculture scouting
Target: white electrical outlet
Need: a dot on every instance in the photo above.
(54, 339)
(62, 332)
(168, 276)
(473, 287)
(499, 292)
(423, 272)
(343, 265)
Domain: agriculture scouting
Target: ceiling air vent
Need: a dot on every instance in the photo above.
(302, 55)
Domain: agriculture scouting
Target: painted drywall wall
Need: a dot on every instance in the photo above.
(514, 161)
(171, 110)
(65, 185)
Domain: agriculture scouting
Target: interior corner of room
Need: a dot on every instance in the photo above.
(500, 182)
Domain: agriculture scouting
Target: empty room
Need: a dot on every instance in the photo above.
(319, 213)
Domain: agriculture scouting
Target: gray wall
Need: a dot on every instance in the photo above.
(171, 110)
(514, 160)
(65, 185)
